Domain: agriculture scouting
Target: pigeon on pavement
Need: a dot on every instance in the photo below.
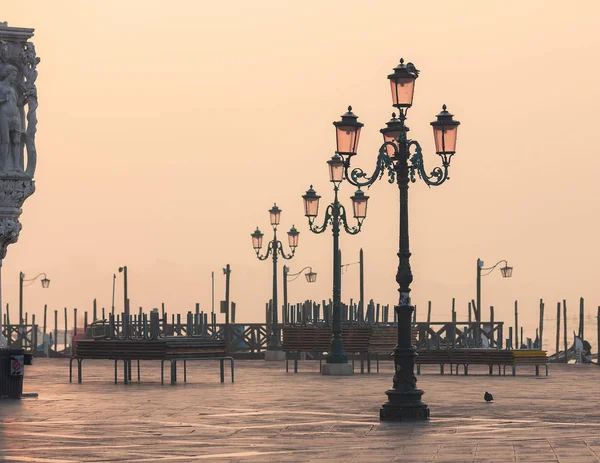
(488, 397)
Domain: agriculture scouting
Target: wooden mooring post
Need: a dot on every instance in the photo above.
(541, 327)
(55, 340)
(565, 329)
(581, 318)
(558, 329)
(517, 345)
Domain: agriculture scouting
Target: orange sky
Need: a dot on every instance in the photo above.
(168, 129)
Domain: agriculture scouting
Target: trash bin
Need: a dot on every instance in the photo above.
(12, 363)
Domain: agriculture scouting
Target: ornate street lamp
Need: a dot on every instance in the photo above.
(335, 214)
(275, 248)
(506, 272)
(402, 160)
(311, 277)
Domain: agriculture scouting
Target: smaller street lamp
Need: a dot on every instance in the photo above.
(45, 284)
(506, 272)
(311, 277)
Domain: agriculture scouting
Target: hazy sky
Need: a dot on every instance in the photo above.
(167, 129)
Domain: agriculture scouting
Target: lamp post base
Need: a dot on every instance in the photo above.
(337, 369)
(404, 406)
(274, 355)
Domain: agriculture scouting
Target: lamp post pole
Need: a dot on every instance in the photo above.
(402, 160)
(335, 214)
(274, 249)
(21, 277)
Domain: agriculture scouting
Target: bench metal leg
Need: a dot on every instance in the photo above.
(377, 363)
(125, 372)
(514, 370)
(362, 365)
(138, 368)
(79, 372)
(129, 370)
(546, 369)
(173, 372)
(537, 370)
(295, 365)
(116, 361)
(491, 372)
(232, 367)
(466, 370)
(418, 368)
(441, 368)
(287, 369)
(162, 372)
(71, 370)
(222, 371)
(368, 363)
(184, 371)
(320, 363)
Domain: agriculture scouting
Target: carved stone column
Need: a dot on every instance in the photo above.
(18, 124)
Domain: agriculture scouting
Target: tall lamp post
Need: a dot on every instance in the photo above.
(335, 214)
(274, 249)
(22, 283)
(506, 272)
(311, 277)
(402, 160)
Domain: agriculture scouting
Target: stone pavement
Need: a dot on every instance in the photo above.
(270, 415)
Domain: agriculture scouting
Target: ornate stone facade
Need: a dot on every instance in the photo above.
(18, 125)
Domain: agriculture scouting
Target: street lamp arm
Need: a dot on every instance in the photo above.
(267, 254)
(354, 177)
(31, 280)
(283, 254)
(354, 230)
(321, 228)
(437, 176)
(491, 269)
(296, 275)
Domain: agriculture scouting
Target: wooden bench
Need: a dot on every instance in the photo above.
(164, 349)
(316, 340)
(476, 356)
(528, 357)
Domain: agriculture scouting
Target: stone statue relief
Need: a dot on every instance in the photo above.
(11, 128)
(18, 74)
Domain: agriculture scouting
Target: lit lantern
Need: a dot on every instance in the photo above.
(359, 204)
(311, 276)
(402, 83)
(391, 134)
(275, 215)
(347, 133)
(506, 271)
(336, 168)
(293, 237)
(444, 134)
(257, 237)
(311, 203)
